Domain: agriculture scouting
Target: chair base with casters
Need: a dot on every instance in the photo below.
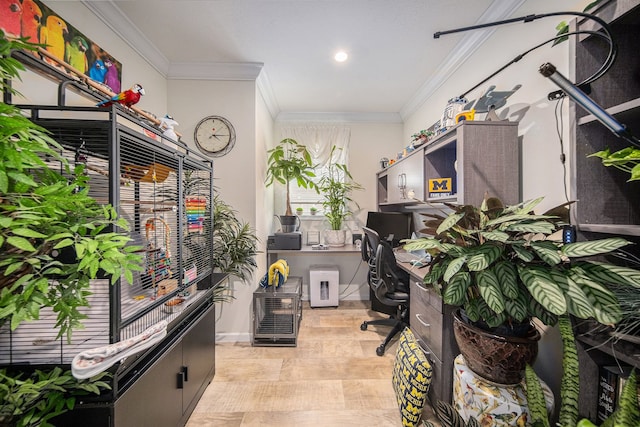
(398, 321)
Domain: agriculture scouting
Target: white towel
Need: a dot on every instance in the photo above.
(88, 363)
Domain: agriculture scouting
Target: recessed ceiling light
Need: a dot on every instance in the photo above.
(341, 56)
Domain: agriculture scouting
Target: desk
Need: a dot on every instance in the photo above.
(431, 322)
(272, 254)
(347, 258)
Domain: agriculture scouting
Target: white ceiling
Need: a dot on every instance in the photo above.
(288, 46)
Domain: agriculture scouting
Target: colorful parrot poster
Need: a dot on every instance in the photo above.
(37, 22)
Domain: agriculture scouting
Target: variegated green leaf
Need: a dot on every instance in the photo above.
(609, 273)
(547, 251)
(593, 247)
(523, 253)
(533, 227)
(498, 236)
(449, 222)
(490, 290)
(483, 256)
(507, 276)
(494, 320)
(629, 414)
(448, 415)
(543, 289)
(455, 291)
(578, 303)
(472, 310)
(423, 243)
(605, 304)
(570, 387)
(453, 250)
(535, 398)
(453, 267)
(517, 308)
(537, 310)
(529, 205)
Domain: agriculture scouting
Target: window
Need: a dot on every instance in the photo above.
(318, 139)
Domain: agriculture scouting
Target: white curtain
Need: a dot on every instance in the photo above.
(318, 138)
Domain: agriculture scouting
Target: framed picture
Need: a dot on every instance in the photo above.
(37, 22)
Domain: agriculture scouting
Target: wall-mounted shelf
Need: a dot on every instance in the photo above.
(607, 204)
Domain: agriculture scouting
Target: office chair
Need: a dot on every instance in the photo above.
(390, 285)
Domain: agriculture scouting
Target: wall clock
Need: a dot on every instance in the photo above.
(215, 136)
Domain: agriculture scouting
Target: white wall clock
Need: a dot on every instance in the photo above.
(215, 136)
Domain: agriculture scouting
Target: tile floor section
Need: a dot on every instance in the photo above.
(331, 378)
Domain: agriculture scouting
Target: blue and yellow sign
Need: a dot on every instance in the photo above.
(440, 185)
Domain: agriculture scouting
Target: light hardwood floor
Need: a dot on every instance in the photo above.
(331, 378)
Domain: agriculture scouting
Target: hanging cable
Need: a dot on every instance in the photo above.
(606, 65)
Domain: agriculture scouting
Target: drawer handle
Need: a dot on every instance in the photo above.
(422, 288)
(426, 352)
(428, 325)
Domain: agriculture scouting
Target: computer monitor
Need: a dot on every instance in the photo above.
(391, 226)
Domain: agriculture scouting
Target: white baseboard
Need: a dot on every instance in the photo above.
(233, 337)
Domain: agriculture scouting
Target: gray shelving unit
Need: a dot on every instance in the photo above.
(607, 204)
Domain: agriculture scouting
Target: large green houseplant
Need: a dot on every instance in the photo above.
(503, 265)
(336, 186)
(43, 211)
(290, 161)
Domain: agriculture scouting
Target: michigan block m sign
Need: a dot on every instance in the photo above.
(440, 187)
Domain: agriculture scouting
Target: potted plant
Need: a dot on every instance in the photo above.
(313, 210)
(336, 186)
(299, 211)
(503, 266)
(290, 161)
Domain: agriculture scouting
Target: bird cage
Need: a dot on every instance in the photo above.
(277, 313)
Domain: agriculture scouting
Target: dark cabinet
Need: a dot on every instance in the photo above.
(607, 203)
(164, 387)
(432, 323)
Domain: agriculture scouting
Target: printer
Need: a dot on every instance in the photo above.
(280, 241)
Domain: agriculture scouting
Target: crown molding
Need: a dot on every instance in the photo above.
(214, 70)
(498, 10)
(113, 17)
(266, 91)
(345, 117)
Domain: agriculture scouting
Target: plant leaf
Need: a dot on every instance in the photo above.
(490, 290)
(453, 267)
(454, 292)
(535, 398)
(543, 289)
(483, 256)
(593, 247)
(507, 276)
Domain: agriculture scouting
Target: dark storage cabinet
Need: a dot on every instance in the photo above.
(607, 205)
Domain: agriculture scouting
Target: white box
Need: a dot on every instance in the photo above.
(324, 285)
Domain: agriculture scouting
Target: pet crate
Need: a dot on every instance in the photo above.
(277, 313)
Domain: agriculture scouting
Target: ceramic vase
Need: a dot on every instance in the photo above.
(334, 238)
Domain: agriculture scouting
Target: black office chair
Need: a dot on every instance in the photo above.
(368, 250)
(390, 285)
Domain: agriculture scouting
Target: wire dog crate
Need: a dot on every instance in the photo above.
(277, 314)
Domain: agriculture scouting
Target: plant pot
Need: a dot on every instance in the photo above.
(289, 223)
(495, 357)
(335, 238)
